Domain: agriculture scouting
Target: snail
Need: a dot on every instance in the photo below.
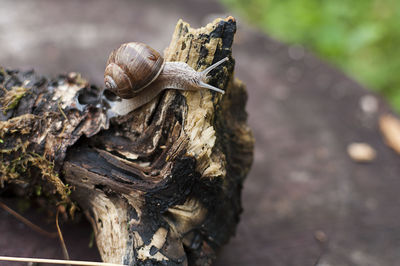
(137, 74)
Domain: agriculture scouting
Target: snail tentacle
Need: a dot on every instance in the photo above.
(213, 66)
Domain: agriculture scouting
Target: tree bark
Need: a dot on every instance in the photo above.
(160, 185)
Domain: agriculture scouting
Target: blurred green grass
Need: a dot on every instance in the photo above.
(362, 37)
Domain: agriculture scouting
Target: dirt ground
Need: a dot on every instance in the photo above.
(305, 202)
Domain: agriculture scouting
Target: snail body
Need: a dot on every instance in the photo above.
(137, 73)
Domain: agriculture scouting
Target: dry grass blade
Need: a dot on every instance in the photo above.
(63, 246)
(27, 222)
(51, 261)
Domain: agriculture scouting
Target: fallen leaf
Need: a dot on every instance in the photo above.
(361, 152)
(390, 129)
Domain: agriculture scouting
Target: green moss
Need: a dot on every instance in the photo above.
(23, 204)
(15, 170)
(91, 239)
(21, 166)
(38, 190)
(12, 97)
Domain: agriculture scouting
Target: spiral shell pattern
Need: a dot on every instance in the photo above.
(131, 68)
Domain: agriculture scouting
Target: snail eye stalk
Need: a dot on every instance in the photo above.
(205, 72)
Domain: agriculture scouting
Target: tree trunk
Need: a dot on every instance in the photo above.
(160, 185)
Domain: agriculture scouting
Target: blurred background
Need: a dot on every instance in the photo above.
(315, 72)
(359, 37)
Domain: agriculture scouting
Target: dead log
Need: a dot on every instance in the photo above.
(160, 185)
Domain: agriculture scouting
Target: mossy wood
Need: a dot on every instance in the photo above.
(160, 185)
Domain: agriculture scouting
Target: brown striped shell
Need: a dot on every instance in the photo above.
(132, 67)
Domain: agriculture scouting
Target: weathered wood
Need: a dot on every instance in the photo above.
(39, 121)
(159, 185)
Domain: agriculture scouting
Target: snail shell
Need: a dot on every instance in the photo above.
(131, 68)
(137, 73)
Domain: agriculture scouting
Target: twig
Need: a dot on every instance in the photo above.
(62, 112)
(71, 262)
(63, 246)
(27, 222)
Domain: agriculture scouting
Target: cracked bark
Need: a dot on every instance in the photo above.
(160, 185)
